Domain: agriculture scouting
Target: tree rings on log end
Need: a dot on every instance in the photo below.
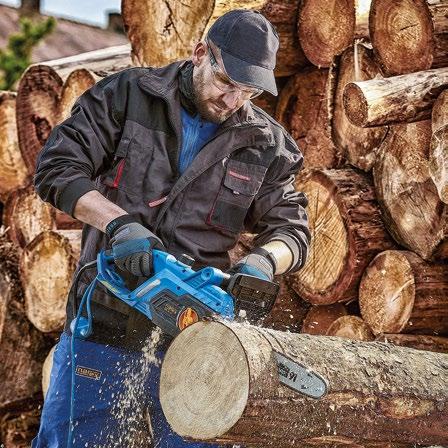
(355, 105)
(351, 327)
(347, 232)
(387, 292)
(47, 265)
(325, 31)
(37, 110)
(402, 35)
(207, 393)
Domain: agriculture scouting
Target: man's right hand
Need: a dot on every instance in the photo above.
(132, 245)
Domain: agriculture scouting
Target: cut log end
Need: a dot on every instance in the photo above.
(355, 105)
(387, 292)
(402, 35)
(325, 31)
(351, 327)
(212, 399)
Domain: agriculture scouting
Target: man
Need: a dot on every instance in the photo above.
(175, 158)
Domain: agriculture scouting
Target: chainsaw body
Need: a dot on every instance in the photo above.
(177, 296)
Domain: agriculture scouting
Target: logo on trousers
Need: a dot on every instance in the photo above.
(88, 373)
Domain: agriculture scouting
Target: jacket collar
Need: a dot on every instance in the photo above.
(163, 82)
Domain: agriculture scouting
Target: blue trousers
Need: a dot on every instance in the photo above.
(116, 400)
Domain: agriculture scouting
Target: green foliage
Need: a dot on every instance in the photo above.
(16, 57)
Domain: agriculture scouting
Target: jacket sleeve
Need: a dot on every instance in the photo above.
(278, 211)
(79, 148)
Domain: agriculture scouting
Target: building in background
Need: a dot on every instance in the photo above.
(69, 38)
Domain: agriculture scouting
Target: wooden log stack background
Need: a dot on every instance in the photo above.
(363, 89)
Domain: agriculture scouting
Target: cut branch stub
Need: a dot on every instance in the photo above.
(410, 205)
(357, 145)
(399, 99)
(47, 265)
(228, 388)
(325, 30)
(26, 215)
(438, 154)
(347, 232)
(400, 292)
(409, 35)
(302, 110)
(13, 172)
(164, 31)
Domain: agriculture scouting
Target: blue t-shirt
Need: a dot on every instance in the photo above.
(195, 133)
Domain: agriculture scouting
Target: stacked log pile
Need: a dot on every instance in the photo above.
(373, 127)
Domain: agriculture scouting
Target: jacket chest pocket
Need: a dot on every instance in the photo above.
(240, 185)
(129, 167)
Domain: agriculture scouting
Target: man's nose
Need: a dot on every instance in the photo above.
(231, 98)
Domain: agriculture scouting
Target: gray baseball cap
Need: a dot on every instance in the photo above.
(248, 44)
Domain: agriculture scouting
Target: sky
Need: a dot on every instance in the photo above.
(89, 11)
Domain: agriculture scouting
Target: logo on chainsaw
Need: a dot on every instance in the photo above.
(187, 317)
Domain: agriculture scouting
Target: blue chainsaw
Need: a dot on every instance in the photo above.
(176, 296)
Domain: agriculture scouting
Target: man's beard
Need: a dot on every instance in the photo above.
(200, 102)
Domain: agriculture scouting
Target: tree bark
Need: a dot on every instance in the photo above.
(357, 145)
(47, 265)
(344, 221)
(400, 292)
(410, 205)
(26, 215)
(409, 35)
(438, 154)
(13, 172)
(22, 347)
(325, 29)
(164, 31)
(320, 317)
(228, 389)
(351, 327)
(417, 341)
(302, 110)
(399, 99)
(47, 91)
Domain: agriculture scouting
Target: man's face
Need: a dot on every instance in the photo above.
(212, 103)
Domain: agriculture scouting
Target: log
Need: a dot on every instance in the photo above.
(47, 265)
(230, 388)
(438, 154)
(320, 317)
(356, 144)
(408, 198)
(351, 327)
(417, 341)
(163, 31)
(46, 371)
(344, 221)
(302, 110)
(267, 101)
(47, 91)
(13, 172)
(399, 99)
(26, 215)
(409, 35)
(22, 347)
(401, 293)
(18, 429)
(325, 29)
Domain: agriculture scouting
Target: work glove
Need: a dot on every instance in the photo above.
(132, 245)
(258, 263)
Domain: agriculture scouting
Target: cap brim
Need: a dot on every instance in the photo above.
(251, 75)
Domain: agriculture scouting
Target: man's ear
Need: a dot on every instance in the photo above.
(199, 53)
